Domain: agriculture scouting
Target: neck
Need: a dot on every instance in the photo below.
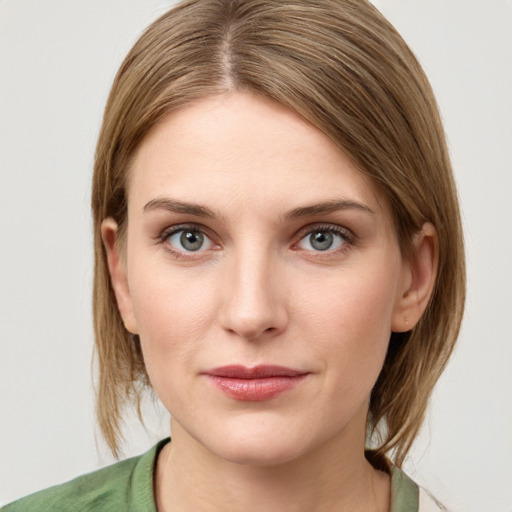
(328, 478)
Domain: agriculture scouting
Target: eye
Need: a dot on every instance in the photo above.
(188, 240)
(323, 239)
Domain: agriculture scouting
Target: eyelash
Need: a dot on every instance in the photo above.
(347, 236)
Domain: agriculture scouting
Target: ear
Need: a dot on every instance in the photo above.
(418, 280)
(118, 275)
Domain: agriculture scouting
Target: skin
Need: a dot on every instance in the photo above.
(258, 291)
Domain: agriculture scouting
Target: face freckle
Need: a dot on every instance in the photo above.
(254, 242)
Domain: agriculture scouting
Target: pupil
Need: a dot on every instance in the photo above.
(321, 241)
(191, 241)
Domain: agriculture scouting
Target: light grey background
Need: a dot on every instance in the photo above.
(57, 61)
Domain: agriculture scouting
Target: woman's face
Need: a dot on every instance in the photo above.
(263, 276)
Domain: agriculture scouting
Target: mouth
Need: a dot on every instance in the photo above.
(254, 384)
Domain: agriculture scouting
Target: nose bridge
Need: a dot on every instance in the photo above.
(254, 303)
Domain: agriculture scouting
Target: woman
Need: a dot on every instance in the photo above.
(278, 256)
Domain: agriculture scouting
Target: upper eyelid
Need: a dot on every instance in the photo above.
(171, 230)
(335, 228)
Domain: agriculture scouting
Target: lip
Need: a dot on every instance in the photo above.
(255, 384)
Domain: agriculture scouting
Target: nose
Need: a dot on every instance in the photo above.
(254, 305)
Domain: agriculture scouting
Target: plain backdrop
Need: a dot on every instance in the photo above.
(57, 61)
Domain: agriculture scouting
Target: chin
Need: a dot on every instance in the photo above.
(264, 454)
(260, 445)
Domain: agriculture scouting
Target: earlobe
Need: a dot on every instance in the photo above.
(418, 281)
(118, 275)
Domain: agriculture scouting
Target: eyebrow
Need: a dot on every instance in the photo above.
(198, 210)
(172, 205)
(326, 207)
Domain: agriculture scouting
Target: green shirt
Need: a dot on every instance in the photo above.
(128, 486)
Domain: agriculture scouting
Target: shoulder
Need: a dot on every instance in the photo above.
(407, 496)
(88, 492)
(127, 485)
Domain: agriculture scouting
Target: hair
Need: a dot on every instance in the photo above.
(341, 66)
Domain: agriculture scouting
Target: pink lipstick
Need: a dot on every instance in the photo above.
(254, 384)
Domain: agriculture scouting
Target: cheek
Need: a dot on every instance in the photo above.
(350, 321)
(353, 302)
(173, 314)
(172, 323)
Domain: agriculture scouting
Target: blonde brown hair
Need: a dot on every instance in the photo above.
(341, 66)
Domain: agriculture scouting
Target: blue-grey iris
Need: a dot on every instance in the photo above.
(191, 240)
(321, 240)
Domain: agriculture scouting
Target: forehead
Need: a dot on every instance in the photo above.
(239, 149)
